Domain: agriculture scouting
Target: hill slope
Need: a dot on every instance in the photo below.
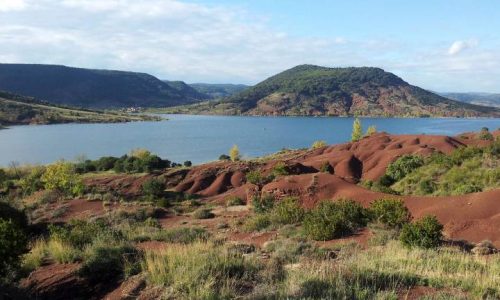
(19, 110)
(215, 91)
(90, 88)
(314, 90)
(484, 99)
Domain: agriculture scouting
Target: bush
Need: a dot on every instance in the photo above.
(403, 166)
(257, 223)
(330, 220)
(153, 188)
(17, 217)
(13, 243)
(262, 204)
(288, 211)
(61, 176)
(224, 157)
(188, 163)
(386, 180)
(33, 181)
(318, 144)
(256, 177)
(390, 212)
(424, 233)
(105, 163)
(280, 169)
(80, 233)
(326, 168)
(485, 134)
(104, 262)
(203, 213)
(184, 235)
(234, 200)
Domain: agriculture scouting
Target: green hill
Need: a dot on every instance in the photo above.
(92, 88)
(20, 110)
(215, 91)
(314, 90)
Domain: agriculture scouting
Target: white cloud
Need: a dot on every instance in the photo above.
(459, 46)
(12, 5)
(178, 40)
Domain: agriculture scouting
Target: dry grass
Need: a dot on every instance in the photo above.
(199, 271)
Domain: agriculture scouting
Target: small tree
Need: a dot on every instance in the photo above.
(62, 176)
(357, 130)
(371, 130)
(424, 233)
(234, 153)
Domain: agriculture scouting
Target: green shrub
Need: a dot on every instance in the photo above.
(263, 204)
(62, 176)
(234, 200)
(256, 177)
(163, 202)
(188, 163)
(318, 144)
(424, 233)
(153, 188)
(326, 168)
(386, 180)
(153, 232)
(13, 243)
(403, 166)
(10, 213)
(257, 223)
(287, 211)
(390, 212)
(280, 169)
(105, 262)
(80, 233)
(485, 134)
(203, 213)
(330, 220)
(183, 235)
(33, 181)
(224, 157)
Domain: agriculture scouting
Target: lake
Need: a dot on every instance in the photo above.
(204, 138)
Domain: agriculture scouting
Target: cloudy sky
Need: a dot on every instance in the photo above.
(442, 45)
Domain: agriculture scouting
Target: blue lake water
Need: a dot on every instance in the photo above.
(203, 138)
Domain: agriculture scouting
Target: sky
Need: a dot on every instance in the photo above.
(440, 45)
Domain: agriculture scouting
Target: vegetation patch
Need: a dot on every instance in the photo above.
(199, 271)
(332, 219)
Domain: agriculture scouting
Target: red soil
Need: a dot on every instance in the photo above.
(473, 217)
(56, 281)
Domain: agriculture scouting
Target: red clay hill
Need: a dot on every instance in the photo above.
(473, 217)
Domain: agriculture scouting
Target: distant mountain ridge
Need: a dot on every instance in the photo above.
(314, 90)
(92, 88)
(215, 91)
(484, 99)
(21, 110)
